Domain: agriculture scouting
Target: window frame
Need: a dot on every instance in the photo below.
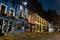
(13, 12)
(3, 5)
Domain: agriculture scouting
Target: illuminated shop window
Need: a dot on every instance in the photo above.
(3, 9)
(5, 25)
(32, 27)
(17, 26)
(10, 27)
(12, 12)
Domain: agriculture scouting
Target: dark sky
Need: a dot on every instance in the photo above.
(51, 4)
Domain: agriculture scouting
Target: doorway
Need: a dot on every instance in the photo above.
(10, 26)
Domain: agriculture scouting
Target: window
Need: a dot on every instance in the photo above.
(26, 13)
(21, 11)
(21, 7)
(5, 24)
(33, 27)
(10, 26)
(35, 17)
(5, 0)
(3, 8)
(20, 15)
(25, 16)
(29, 18)
(17, 26)
(12, 12)
(13, 3)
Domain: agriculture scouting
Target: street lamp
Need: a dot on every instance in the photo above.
(25, 3)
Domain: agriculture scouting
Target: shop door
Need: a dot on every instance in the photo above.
(47, 29)
(1, 23)
(40, 28)
(23, 27)
(44, 28)
(5, 25)
(10, 27)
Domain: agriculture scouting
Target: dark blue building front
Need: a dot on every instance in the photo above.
(13, 16)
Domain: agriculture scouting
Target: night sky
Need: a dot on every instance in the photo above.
(51, 4)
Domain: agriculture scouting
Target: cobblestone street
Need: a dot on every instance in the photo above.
(32, 36)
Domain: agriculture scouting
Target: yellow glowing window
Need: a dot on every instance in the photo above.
(12, 12)
(3, 8)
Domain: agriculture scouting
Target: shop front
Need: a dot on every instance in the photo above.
(37, 26)
(6, 25)
(26, 25)
(20, 26)
(31, 27)
(31, 22)
(44, 28)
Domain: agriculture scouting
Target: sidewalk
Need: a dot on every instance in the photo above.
(32, 36)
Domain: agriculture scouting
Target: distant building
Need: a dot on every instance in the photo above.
(40, 25)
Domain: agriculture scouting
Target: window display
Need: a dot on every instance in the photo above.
(32, 28)
(17, 26)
